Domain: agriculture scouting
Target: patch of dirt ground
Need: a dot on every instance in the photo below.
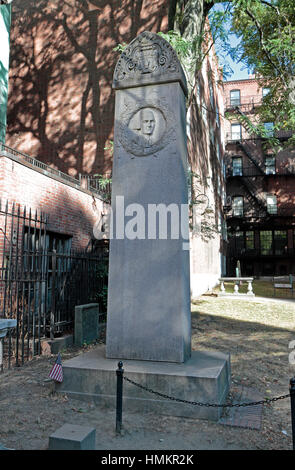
(31, 411)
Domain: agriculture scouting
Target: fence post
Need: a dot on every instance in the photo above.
(119, 373)
(292, 396)
(53, 303)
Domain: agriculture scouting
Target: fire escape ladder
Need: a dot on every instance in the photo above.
(252, 191)
(247, 151)
(243, 145)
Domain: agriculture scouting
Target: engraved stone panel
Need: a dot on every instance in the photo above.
(148, 59)
(149, 287)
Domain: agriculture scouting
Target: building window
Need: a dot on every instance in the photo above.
(270, 165)
(198, 93)
(249, 240)
(218, 151)
(224, 170)
(266, 242)
(238, 206)
(239, 241)
(204, 114)
(280, 242)
(235, 97)
(217, 116)
(211, 134)
(269, 129)
(237, 166)
(271, 201)
(236, 132)
(211, 94)
(273, 242)
(224, 230)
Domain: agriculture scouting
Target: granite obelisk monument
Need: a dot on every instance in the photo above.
(149, 285)
(148, 318)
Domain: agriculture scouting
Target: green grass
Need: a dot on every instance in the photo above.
(260, 288)
(272, 314)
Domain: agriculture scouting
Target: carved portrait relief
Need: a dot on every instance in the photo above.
(145, 128)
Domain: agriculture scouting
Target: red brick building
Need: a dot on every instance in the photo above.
(260, 189)
(61, 102)
(72, 210)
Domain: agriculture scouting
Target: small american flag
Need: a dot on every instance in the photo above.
(56, 371)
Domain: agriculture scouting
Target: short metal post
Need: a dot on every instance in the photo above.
(1, 354)
(292, 396)
(119, 373)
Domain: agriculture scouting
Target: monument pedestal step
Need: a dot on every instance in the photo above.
(205, 378)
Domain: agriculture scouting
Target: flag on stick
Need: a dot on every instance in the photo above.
(56, 371)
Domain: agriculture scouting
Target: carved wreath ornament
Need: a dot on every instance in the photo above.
(146, 127)
(147, 54)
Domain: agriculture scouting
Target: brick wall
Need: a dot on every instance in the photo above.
(61, 102)
(206, 155)
(73, 212)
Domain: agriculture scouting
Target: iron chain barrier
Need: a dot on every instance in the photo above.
(208, 405)
(121, 377)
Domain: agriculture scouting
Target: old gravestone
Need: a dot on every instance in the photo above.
(149, 285)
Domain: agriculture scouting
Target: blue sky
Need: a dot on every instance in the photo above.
(239, 71)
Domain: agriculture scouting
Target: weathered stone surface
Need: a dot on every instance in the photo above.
(73, 437)
(86, 323)
(148, 59)
(53, 346)
(149, 284)
(205, 377)
(2, 447)
(5, 324)
(148, 320)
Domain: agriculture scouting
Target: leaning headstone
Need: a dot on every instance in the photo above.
(73, 437)
(149, 283)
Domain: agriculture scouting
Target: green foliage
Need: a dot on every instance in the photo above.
(182, 46)
(103, 181)
(266, 30)
(120, 47)
(102, 276)
(110, 147)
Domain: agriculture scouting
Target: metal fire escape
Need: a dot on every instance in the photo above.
(255, 198)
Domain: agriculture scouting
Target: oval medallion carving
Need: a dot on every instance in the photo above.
(145, 128)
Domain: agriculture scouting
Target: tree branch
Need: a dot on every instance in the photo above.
(260, 31)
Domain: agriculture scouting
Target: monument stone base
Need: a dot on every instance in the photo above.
(205, 377)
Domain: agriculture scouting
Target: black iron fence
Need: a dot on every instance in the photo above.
(101, 184)
(41, 282)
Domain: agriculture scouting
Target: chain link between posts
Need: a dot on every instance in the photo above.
(212, 405)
